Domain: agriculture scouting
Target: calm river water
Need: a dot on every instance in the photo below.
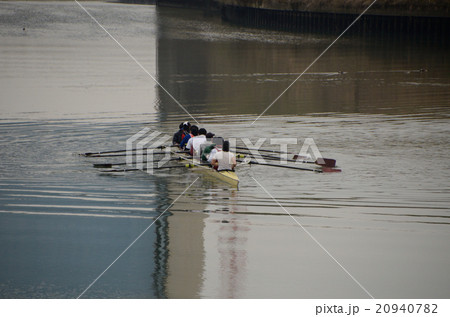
(381, 109)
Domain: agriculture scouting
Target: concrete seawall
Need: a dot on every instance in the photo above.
(433, 29)
(409, 19)
(428, 8)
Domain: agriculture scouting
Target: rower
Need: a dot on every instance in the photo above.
(182, 132)
(205, 151)
(195, 142)
(217, 143)
(212, 155)
(209, 148)
(224, 160)
(189, 135)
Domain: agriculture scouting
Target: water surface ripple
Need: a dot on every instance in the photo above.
(380, 109)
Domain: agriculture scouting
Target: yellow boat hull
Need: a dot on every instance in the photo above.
(227, 176)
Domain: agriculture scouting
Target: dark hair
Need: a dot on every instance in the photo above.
(218, 140)
(181, 125)
(202, 131)
(194, 130)
(186, 126)
(209, 135)
(226, 146)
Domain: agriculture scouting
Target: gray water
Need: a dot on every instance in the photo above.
(381, 109)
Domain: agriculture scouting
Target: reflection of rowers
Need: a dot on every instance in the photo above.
(224, 160)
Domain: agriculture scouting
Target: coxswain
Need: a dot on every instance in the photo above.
(183, 130)
(224, 160)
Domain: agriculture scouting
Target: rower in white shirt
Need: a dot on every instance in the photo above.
(194, 143)
(224, 160)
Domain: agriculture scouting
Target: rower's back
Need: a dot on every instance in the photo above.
(226, 160)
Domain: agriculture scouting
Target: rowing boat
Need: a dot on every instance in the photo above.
(324, 166)
(227, 176)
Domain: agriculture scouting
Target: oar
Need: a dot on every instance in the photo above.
(321, 161)
(261, 150)
(121, 151)
(145, 169)
(133, 154)
(283, 166)
(109, 165)
(323, 169)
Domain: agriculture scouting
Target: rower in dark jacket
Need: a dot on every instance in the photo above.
(181, 133)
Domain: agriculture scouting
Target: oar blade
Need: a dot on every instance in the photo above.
(331, 170)
(326, 162)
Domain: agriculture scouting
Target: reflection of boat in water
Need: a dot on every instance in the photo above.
(179, 246)
(225, 236)
(206, 245)
(185, 263)
(186, 252)
(160, 253)
(227, 176)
